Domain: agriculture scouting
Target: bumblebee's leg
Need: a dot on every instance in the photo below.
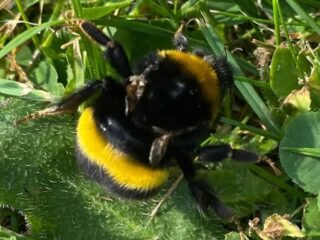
(201, 191)
(67, 104)
(217, 153)
(158, 149)
(114, 53)
(206, 198)
(72, 102)
(160, 144)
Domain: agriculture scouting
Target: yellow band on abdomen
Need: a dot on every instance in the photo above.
(124, 170)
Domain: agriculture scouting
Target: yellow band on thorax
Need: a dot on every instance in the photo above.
(205, 75)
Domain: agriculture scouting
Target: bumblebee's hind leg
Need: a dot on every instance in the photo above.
(207, 199)
(114, 53)
(201, 191)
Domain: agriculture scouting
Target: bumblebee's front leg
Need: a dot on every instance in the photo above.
(114, 53)
(217, 153)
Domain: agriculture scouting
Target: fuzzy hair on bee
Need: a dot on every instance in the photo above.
(135, 129)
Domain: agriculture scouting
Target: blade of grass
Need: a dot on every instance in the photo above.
(167, 10)
(299, 10)
(253, 82)
(76, 5)
(276, 21)
(241, 17)
(142, 27)
(175, 7)
(247, 91)
(135, 26)
(35, 40)
(313, 152)
(276, 181)
(249, 128)
(291, 47)
(26, 35)
(8, 234)
(188, 6)
(248, 7)
(54, 16)
(247, 66)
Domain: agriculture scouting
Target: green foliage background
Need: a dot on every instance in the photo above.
(274, 111)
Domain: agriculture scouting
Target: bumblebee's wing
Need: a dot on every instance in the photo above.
(67, 104)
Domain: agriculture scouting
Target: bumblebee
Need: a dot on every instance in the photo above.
(154, 118)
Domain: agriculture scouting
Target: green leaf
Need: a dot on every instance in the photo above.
(284, 75)
(279, 226)
(39, 176)
(23, 56)
(101, 11)
(233, 236)
(46, 76)
(314, 83)
(243, 190)
(16, 89)
(310, 220)
(6, 234)
(314, 79)
(299, 99)
(302, 132)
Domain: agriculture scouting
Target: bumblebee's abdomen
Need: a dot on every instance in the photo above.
(118, 171)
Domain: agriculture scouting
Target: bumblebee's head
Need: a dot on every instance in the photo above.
(176, 90)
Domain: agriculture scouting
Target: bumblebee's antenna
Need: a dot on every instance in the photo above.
(115, 53)
(180, 40)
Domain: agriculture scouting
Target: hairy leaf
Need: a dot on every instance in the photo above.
(39, 177)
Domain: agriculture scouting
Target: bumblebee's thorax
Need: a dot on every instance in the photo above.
(176, 90)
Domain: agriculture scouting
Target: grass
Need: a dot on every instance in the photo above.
(273, 110)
